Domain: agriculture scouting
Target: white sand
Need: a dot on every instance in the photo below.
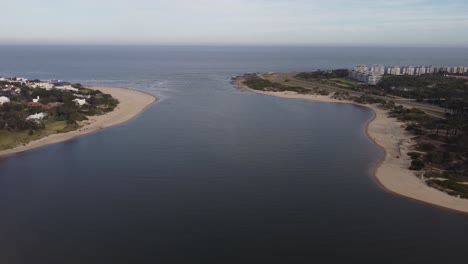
(392, 172)
(132, 103)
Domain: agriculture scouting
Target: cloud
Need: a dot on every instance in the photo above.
(405, 22)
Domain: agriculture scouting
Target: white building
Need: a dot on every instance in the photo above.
(378, 69)
(361, 68)
(4, 99)
(36, 117)
(374, 78)
(394, 70)
(430, 69)
(67, 87)
(80, 102)
(82, 96)
(407, 70)
(419, 70)
(22, 80)
(460, 69)
(36, 100)
(43, 85)
(361, 74)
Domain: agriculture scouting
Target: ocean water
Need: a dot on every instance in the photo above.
(210, 174)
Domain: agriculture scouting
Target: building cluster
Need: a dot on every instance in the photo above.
(370, 76)
(48, 85)
(9, 87)
(373, 75)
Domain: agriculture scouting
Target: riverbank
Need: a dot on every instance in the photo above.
(131, 103)
(392, 172)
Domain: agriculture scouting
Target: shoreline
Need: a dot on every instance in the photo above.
(131, 104)
(391, 172)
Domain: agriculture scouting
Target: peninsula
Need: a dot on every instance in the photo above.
(425, 144)
(35, 113)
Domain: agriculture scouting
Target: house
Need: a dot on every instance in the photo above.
(51, 105)
(36, 100)
(36, 117)
(34, 104)
(66, 87)
(43, 85)
(82, 96)
(80, 102)
(4, 99)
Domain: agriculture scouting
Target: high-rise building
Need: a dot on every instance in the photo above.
(378, 69)
(419, 70)
(361, 68)
(407, 70)
(394, 70)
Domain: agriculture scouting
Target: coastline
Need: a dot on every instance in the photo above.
(131, 104)
(391, 171)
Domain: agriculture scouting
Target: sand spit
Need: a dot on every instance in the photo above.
(132, 103)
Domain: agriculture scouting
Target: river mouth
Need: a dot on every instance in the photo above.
(210, 174)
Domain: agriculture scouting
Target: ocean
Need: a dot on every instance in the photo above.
(210, 174)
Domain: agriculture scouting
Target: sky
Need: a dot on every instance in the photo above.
(236, 22)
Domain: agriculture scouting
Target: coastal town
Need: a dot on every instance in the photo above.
(374, 74)
(32, 109)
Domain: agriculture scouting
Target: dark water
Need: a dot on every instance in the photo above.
(213, 175)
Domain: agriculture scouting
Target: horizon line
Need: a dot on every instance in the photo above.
(322, 45)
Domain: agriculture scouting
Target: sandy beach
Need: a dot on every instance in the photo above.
(392, 173)
(132, 102)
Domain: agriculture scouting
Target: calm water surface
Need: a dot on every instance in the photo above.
(210, 174)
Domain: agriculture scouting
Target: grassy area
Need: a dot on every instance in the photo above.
(11, 139)
(256, 83)
(344, 82)
(451, 187)
(446, 175)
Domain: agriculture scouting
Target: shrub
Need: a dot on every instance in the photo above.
(414, 155)
(426, 147)
(417, 165)
(451, 187)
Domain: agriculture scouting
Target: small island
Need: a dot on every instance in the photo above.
(421, 121)
(35, 113)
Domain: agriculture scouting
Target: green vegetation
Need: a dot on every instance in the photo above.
(344, 83)
(341, 96)
(446, 175)
(366, 99)
(442, 147)
(417, 165)
(60, 109)
(10, 139)
(339, 73)
(434, 88)
(337, 78)
(257, 83)
(451, 187)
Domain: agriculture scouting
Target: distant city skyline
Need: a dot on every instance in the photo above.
(424, 23)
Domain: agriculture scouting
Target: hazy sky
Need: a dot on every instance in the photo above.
(257, 22)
